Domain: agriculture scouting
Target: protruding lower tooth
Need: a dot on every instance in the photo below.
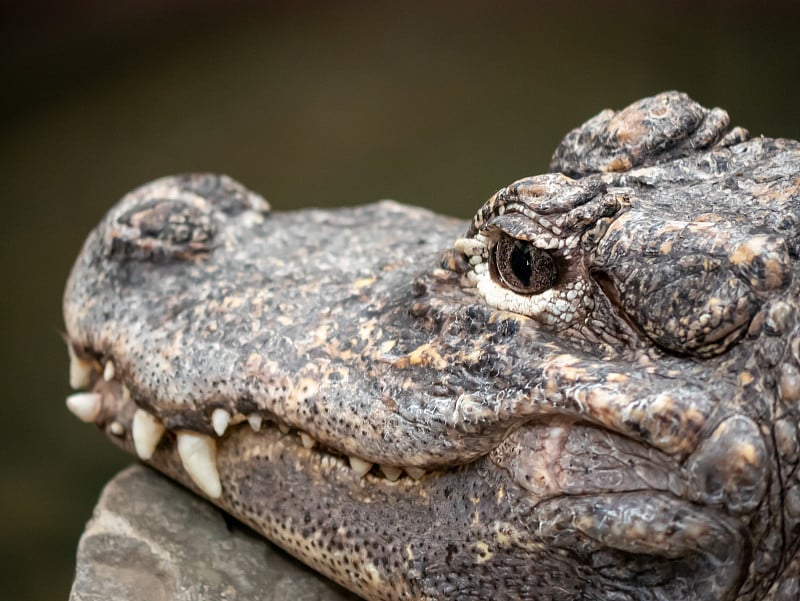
(116, 428)
(391, 472)
(80, 370)
(254, 419)
(308, 442)
(220, 420)
(108, 371)
(415, 472)
(283, 428)
(360, 467)
(126, 393)
(85, 405)
(198, 454)
(147, 431)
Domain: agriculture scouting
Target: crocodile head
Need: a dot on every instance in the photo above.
(590, 391)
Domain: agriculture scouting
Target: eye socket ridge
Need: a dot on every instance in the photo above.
(522, 267)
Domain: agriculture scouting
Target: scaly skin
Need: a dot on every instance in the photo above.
(591, 390)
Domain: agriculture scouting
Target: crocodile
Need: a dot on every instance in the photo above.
(589, 391)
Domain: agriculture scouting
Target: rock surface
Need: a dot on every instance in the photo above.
(151, 540)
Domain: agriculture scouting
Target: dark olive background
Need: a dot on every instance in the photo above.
(308, 104)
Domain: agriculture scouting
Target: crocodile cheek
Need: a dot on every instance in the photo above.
(551, 459)
(605, 497)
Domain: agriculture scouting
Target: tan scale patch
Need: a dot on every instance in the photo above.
(305, 388)
(366, 330)
(618, 164)
(364, 282)
(789, 383)
(374, 573)
(745, 254)
(747, 454)
(230, 303)
(482, 553)
(773, 274)
(423, 355)
(768, 194)
(387, 345)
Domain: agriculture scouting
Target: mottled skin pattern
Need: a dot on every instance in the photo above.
(627, 431)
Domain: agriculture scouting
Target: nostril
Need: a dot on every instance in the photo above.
(730, 467)
(161, 222)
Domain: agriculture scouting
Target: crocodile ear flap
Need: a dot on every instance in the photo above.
(652, 130)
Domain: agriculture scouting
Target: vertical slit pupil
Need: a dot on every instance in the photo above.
(521, 263)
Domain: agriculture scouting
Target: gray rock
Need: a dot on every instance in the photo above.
(151, 540)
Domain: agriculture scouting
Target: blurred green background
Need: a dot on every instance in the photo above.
(309, 104)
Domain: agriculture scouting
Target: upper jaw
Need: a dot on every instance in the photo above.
(536, 380)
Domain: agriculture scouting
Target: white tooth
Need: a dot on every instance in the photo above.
(283, 428)
(360, 467)
(108, 371)
(198, 454)
(220, 420)
(308, 442)
(126, 393)
(392, 473)
(116, 428)
(147, 432)
(415, 472)
(80, 370)
(254, 419)
(85, 405)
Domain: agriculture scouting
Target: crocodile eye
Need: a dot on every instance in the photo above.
(522, 267)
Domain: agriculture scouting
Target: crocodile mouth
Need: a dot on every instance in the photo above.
(109, 404)
(655, 418)
(545, 454)
(623, 508)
